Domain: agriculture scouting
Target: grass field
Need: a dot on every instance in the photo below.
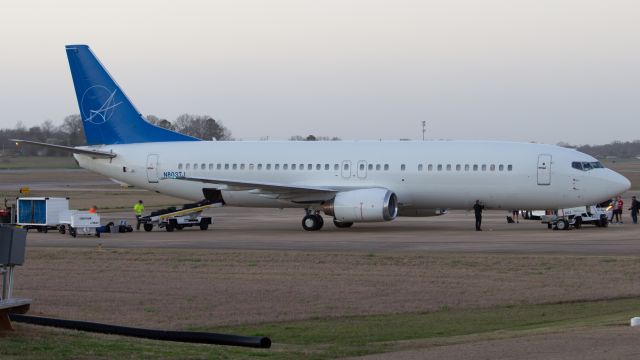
(331, 338)
(37, 162)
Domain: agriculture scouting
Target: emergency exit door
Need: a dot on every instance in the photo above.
(152, 168)
(544, 169)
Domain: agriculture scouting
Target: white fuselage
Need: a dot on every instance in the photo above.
(423, 174)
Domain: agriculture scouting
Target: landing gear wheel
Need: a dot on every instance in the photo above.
(562, 225)
(169, 227)
(342, 225)
(148, 227)
(312, 222)
(62, 229)
(549, 226)
(72, 232)
(204, 226)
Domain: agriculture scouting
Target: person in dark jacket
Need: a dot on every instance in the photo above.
(477, 209)
(635, 207)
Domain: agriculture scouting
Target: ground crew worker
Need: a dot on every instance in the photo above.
(477, 209)
(635, 207)
(138, 208)
(619, 205)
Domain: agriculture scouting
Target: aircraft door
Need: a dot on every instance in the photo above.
(346, 169)
(544, 169)
(362, 169)
(152, 168)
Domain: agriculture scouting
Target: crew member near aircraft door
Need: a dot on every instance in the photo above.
(477, 209)
(138, 208)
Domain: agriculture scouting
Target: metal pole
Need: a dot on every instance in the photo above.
(3, 270)
(10, 291)
(424, 125)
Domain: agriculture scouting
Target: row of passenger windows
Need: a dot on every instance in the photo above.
(466, 167)
(345, 166)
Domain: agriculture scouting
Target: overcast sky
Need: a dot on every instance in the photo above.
(540, 70)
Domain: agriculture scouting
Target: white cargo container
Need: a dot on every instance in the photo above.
(79, 222)
(41, 213)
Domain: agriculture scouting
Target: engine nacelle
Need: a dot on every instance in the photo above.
(363, 205)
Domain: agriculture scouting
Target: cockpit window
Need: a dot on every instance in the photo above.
(586, 166)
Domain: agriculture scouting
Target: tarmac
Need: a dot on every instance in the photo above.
(280, 230)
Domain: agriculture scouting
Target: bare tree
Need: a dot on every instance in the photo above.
(163, 123)
(73, 129)
(201, 126)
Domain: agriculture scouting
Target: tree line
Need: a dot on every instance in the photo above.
(71, 133)
(205, 127)
(616, 149)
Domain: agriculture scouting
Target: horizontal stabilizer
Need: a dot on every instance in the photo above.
(71, 149)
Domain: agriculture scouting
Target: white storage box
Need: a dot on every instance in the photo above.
(40, 211)
(80, 219)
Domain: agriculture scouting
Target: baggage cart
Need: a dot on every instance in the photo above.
(177, 219)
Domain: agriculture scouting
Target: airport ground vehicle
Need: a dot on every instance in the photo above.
(533, 214)
(177, 219)
(577, 216)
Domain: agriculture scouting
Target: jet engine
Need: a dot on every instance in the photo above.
(363, 205)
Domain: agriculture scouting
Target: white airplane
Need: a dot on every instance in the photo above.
(351, 181)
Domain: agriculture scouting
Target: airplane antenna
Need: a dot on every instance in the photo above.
(424, 128)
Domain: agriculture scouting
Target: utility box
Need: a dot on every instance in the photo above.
(12, 245)
(40, 211)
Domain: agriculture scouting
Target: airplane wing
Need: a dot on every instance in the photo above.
(294, 193)
(75, 150)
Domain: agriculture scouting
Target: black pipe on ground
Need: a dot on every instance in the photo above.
(181, 336)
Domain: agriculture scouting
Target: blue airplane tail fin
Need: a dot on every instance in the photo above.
(107, 114)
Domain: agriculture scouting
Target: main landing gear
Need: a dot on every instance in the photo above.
(312, 220)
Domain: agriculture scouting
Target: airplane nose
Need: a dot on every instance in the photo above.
(620, 183)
